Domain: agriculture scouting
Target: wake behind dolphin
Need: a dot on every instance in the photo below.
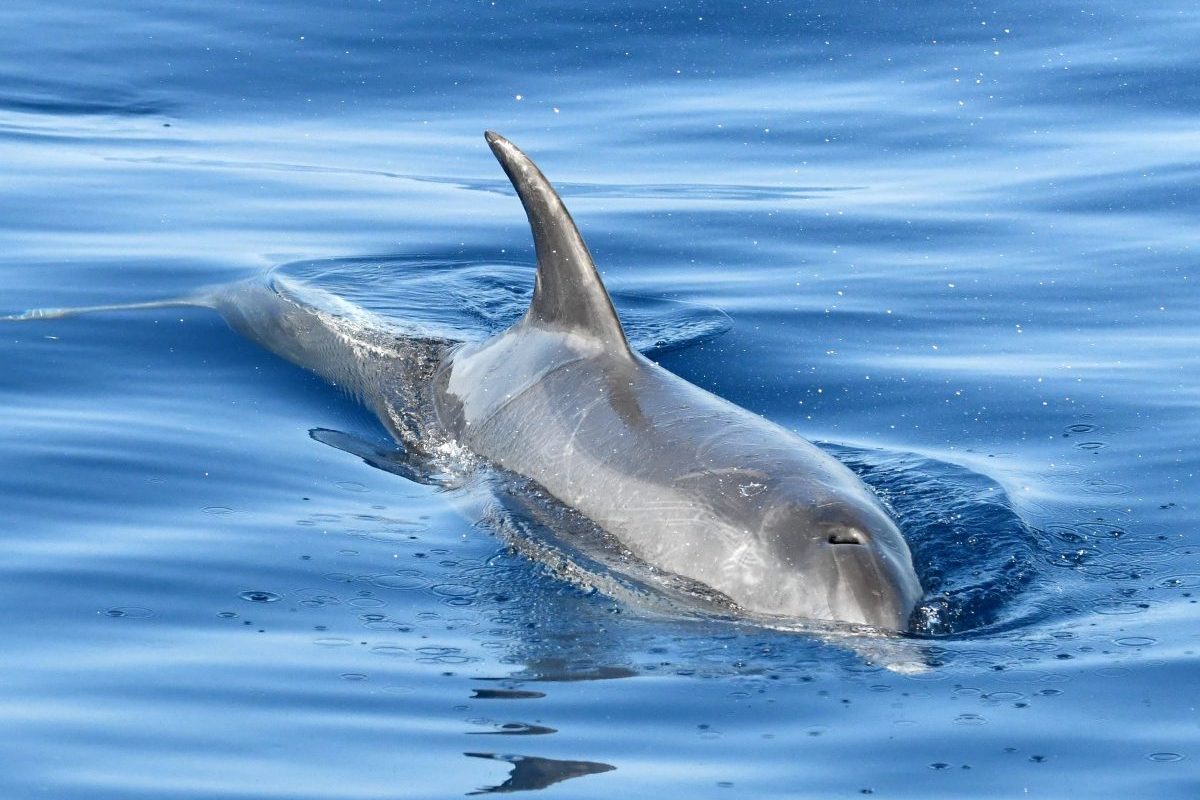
(685, 481)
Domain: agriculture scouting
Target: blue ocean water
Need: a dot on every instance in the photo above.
(955, 244)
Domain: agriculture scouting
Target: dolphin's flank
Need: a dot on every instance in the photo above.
(689, 482)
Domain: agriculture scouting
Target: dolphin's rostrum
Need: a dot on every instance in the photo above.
(688, 482)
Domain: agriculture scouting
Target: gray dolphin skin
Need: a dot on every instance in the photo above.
(687, 481)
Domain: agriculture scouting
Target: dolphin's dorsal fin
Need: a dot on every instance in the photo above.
(568, 293)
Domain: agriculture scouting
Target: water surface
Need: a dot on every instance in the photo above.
(956, 245)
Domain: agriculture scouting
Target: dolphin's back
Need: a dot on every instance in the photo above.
(681, 477)
(387, 370)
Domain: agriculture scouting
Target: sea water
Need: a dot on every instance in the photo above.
(955, 244)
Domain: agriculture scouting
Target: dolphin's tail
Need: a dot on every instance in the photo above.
(193, 301)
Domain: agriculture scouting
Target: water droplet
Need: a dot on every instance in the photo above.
(129, 612)
(1165, 757)
(260, 597)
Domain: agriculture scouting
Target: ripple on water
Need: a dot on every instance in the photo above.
(457, 590)
(255, 596)
(970, 719)
(128, 612)
(467, 300)
(1121, 608)
(390, 650)
(1135, 641)
(1188, 581)
(404, 580)
(1102, 487)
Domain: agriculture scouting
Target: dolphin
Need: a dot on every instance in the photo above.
(687, 482)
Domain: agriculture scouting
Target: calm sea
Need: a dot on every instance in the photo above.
(956, 244)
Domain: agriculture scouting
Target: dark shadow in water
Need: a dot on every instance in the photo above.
(77, 100)
(516, 729)
(531, 772)
(505, 694)
(557, 670)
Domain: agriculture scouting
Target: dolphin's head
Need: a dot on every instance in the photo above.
(842, 559)
(799, 546)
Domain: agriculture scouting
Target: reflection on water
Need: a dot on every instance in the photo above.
(531, 772)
